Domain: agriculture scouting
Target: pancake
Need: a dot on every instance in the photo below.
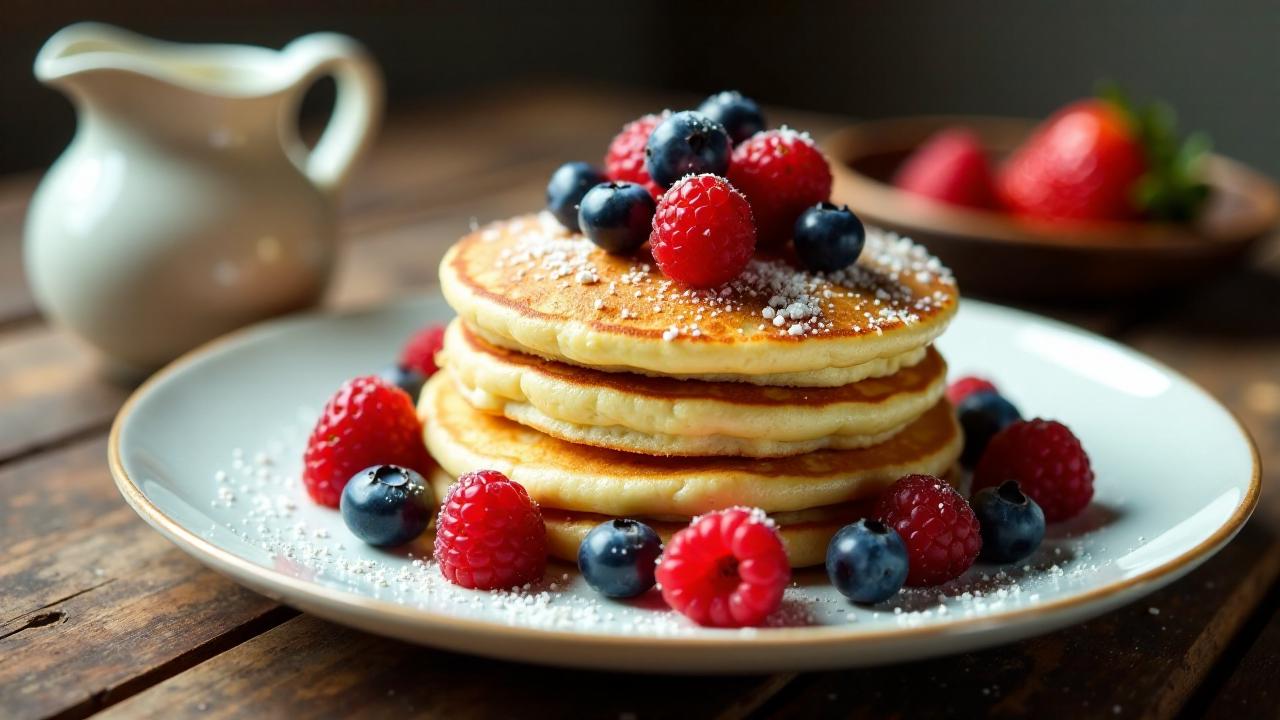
(666, 416)
(529, 284)
(827, 377)
(577, 477)
(805, 534)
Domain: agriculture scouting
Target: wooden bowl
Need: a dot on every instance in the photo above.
(997, 254)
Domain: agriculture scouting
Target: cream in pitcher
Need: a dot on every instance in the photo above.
(187, 205)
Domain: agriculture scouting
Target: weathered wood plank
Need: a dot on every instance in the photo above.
(94, 604)
(145, 617)
(15, 295)
(349, 674)
(1251, 691)
(49, 389)
(46, 498)
(1141, 661)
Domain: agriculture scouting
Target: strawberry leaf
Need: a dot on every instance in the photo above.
(1173, 188)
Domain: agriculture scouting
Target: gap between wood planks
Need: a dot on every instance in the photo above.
(764, 695)
(104, 698)
(1251, 689)
(54, 444)
(1242, 646)
(1205, 656)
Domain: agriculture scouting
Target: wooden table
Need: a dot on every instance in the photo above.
(100, 615)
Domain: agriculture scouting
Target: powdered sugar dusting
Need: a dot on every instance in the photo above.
(895, 283)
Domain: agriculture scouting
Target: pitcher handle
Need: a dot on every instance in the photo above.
(356, 109)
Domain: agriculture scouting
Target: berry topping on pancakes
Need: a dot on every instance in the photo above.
(829, 238)
(782, 173)
(624, 162)
(703, 234)
(740, 115)
(617, 216)
(686, 143)
(568, 184)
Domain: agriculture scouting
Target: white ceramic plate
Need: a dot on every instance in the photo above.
(208, 452)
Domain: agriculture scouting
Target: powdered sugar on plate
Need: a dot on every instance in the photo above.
(258, 496)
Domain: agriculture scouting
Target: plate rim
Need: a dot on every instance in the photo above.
(229, 563)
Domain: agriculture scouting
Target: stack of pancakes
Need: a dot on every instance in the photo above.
(607, 390)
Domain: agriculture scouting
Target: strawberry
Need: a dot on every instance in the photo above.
(950, 167)
(1100, 159)
(1082, 164)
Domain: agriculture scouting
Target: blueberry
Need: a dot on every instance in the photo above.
(407, 379)
(982, 415)
(617, 216)
(867, 561)
(686, 143)
(568, 184)
(1012, 523)
(829, 238)
(740, 116)
(387, 505)
(617, 558)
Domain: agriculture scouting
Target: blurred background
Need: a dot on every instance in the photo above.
(1216, 62)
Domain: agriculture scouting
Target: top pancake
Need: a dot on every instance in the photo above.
(531, 285)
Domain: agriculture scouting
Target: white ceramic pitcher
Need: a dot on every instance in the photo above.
(186, 205)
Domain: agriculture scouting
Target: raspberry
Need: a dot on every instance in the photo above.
(419, 353)
(782, 173)
(938, 526)
(367, 422)
(489, 534)
(727, 569)
(703, 234)
(625, 160)
(966, 386)
(1046, 459)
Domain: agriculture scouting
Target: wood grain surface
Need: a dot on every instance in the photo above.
(99, 614)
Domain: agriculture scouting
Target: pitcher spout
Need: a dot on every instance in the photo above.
(87, 48)
(84, 47)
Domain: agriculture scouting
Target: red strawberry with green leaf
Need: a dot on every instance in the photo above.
(1100, 159)
(950, 167)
